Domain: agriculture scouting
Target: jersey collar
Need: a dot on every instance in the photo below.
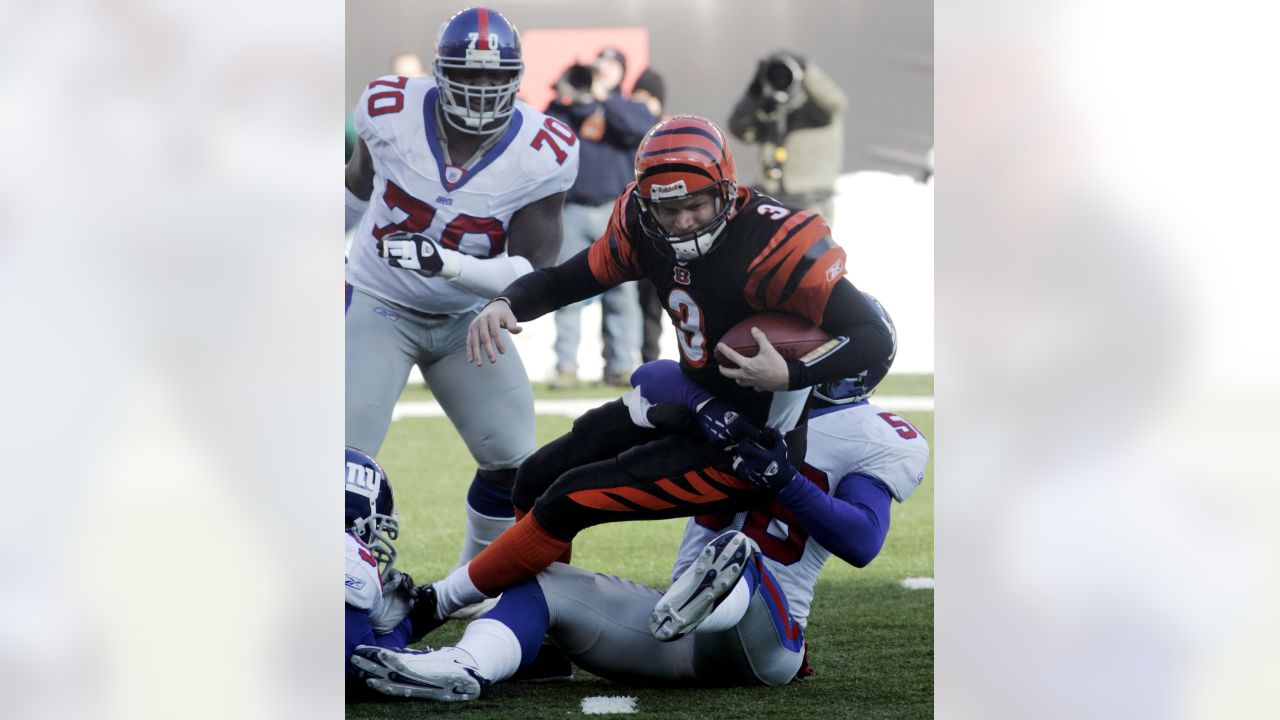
(433, 141)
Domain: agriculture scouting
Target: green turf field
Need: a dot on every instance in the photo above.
(870, 639)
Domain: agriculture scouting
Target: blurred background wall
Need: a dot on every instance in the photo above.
(881, 54)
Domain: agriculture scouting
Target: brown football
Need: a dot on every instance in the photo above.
(791, 335)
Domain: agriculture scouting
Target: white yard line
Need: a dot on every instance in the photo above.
(918, 583)
(608, 705)
(573, 407)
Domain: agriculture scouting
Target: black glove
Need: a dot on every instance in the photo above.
(670, 416)
(763, 461)
(724, 426)
(412, 252)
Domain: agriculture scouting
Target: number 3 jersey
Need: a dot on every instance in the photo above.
(860, 439)
(771, 258)
(416, 190)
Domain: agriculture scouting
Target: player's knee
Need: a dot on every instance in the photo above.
(533, 477)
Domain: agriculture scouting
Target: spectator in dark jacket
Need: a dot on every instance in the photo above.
(610, 128)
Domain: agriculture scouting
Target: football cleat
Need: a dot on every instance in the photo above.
(447, 674)
(700, 589)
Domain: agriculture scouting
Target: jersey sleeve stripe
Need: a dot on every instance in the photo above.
(788, 230)
(817, 250)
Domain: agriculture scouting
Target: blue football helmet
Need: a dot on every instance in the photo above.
(858, 387)
(475, 42)
(371, 510)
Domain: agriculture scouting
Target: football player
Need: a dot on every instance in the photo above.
(743, 583)
(457, 190)
(717, 254)
(380, 599)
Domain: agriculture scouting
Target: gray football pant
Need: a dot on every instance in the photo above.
(491, 406)
(602, 623)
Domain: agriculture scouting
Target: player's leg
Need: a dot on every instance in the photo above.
(598, 434)
(759, 642)
(379, 355)
(601, 622)
(620, 307)
(568, 319)
(492, 409)
(674, 476)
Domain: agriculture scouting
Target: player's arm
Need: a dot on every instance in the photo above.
(626, 122)
(536, 232)
(607, 263)
(852, 523)
(359, 183)
(847, 314)
(359, 627)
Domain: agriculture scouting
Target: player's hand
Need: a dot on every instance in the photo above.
(398, 597)
(723, 425)
(763, 461)
(412, 251)
(671, 417)
(485, 333)
(766, 372)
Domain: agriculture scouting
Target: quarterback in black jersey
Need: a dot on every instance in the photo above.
(717, 254)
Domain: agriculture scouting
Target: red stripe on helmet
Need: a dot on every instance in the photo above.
(482, 42)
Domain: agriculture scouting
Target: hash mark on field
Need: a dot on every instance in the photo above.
(572, 408)
(918, 583)
(608, 705)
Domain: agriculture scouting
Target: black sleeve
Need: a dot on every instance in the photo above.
(848, 314)
(551, 288)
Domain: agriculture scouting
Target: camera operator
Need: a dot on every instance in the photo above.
(795, 112)
(610, 128)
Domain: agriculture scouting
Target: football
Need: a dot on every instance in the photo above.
(794, 337)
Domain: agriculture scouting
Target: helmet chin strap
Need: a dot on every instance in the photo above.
(698, 246)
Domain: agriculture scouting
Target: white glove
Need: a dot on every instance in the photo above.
(397, 601)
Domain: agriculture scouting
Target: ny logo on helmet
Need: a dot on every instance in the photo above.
(363, 480)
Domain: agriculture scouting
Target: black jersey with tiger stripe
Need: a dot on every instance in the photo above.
(773, 257)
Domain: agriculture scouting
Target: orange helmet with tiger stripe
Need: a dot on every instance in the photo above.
(679, 158)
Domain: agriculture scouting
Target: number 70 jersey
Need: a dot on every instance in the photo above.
(416, 190)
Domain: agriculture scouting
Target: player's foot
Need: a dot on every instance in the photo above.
(447, 674)
(699, 590)
(616, 379)
(564, 380)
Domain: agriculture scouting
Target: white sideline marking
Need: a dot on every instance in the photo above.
(918, 583)
(572, 408)
(608, 705)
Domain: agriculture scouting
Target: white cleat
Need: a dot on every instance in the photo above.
(696, 593)
(448, 674)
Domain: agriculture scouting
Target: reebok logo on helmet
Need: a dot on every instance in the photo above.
(675, 189)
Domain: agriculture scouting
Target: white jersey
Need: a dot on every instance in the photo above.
(858, 439)
(415, 190)
(364, 583)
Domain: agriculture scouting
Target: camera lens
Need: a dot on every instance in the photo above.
(778, 75)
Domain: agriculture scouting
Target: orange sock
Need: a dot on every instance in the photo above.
(518, 554)
(567, 555)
